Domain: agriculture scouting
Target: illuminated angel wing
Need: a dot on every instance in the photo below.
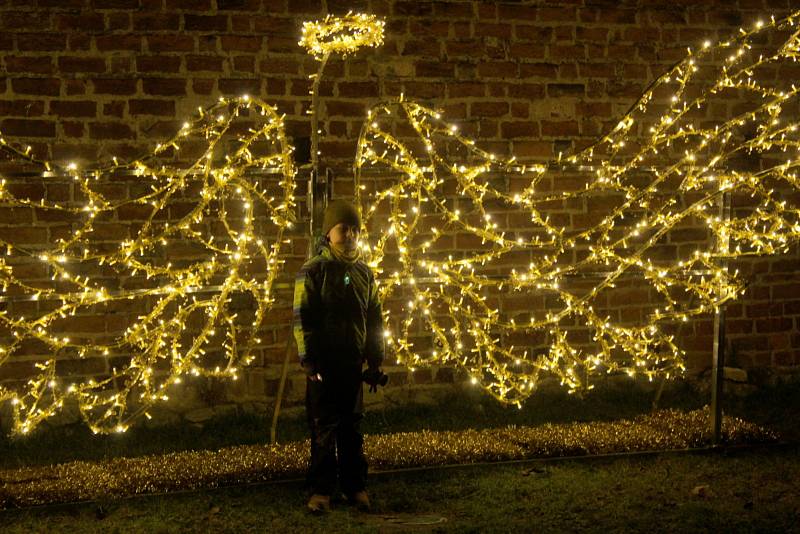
(185, 294)
(590, 263)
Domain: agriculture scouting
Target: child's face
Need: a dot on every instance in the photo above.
(344, 236)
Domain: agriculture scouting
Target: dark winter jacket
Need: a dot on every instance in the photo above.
(337, 315)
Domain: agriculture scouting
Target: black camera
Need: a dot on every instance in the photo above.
(374, 378)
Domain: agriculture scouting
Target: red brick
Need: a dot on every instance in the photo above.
(73, 129)
(17, 216)
(23, 108)
(24, 235)
(118, 42)
(520, 110)
(526, 90)
(565, 89)
(623, 52)
(560, 128)
(357, 89)
(133, 212)
(471, 48)
(239, 87)
(203, 86)
(114, 86)
(498, 69)
(81, 22)
(659, 17)
(244, 64)
(558, 14)
(161, 63)
(73, 108)
(423, 48)
(412, 9)
(18, 370)
(41, 42)
(78, 42)
(536, 34)
(279, 66)
(156, 21)
(488, 109)
(593, 109)
(164, 86)
(74, 87)
(110, 231)
(195, 63)
(453, 10)
(680, 235)
(569, 52)
(774, 324)
(27, 20)
(502, 31)
(110, 130)
(115, 4)
(274, 25)
(205, 23)
(511, 130)
(583, 33)
(434, 69)
(424, 89)
(241, 43)
(525, 51)
(29, 127)
(83, 367)
(538, 70)
(351, 109)
(189, 5)
(71, 64)
(27, 64)
(617, 16)
(170, 43)
(118, 22)
(151, 107)
(26, 190)
(464, 89)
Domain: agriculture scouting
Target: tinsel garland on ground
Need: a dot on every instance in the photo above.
(121, 477)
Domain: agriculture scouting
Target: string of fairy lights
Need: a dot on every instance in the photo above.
(442, 188)
(181, 326)
(648, 163)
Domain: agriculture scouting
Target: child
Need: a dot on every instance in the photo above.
(338, 326)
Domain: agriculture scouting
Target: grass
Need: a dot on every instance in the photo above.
(745, 491)
(460, 410)
(753, 490)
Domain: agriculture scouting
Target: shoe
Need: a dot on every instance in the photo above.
(360, 500)
(319, 504)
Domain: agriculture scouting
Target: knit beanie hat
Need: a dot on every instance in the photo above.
(339, 211)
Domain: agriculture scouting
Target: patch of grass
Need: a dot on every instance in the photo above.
(750, 491)
(51, 445)
(461, 409)
(777, 407)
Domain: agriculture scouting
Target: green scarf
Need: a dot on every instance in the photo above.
(344, 257)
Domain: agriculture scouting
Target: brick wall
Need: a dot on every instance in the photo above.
(86, 80)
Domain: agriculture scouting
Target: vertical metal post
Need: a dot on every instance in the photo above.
(317, 199)
(718, 356)
(717, 375)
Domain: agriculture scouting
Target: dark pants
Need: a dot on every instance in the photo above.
(334, 408)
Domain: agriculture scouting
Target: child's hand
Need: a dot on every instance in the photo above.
(374, 378)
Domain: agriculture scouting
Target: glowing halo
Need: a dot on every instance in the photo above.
(342, 35)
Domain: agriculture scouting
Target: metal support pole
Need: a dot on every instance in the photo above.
(717, 375)
(319, 192)
(718, 356)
